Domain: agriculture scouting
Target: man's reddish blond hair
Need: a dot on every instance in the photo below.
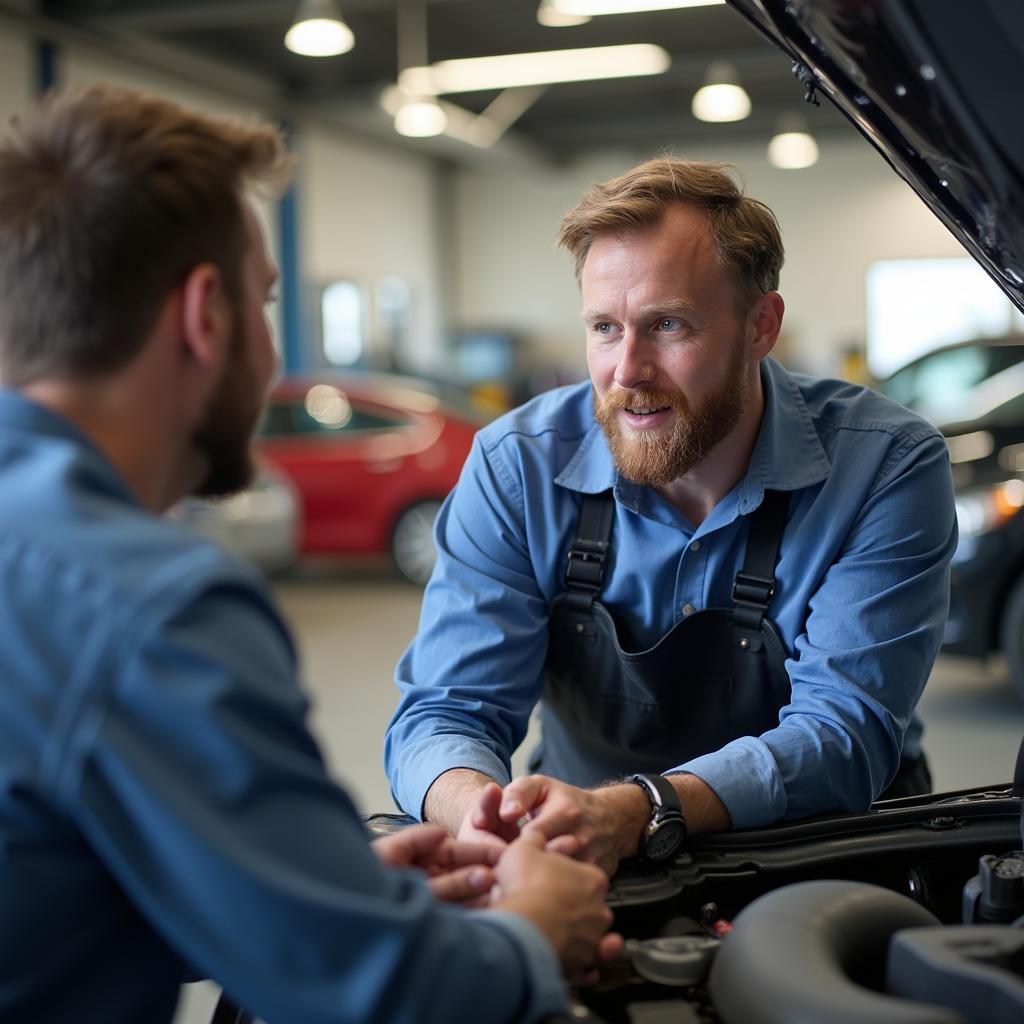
(745, 232)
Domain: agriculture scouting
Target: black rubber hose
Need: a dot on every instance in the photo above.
(814, 953)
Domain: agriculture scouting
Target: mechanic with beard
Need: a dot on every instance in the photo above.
(725, 583)
(163, 806)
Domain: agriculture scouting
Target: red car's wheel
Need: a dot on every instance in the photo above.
(412, 541)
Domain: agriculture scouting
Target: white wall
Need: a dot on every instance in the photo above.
(369, 213)
(17, 70)
(836, 217)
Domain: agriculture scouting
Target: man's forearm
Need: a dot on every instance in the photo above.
(703, 810)
(450, 796)
(625, 812)
(630, 810)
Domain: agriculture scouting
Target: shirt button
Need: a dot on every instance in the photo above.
(695, 546)
(688, 609)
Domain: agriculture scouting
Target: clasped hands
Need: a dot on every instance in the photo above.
(598, 826)
(593, 826)
(564, 899)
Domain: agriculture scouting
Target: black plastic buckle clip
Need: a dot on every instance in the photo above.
(585, 569)
(750, 589)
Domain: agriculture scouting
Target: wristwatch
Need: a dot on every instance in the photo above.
(665, 832)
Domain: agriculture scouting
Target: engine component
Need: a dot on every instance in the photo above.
(810, 951)
(977, 970)
(679, 960)
(995, 895)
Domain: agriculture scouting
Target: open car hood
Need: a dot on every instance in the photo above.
(934, 85)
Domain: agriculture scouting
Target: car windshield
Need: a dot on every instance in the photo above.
(961, 383)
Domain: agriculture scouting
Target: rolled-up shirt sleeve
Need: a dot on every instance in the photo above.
(199, 786)
(873, 629)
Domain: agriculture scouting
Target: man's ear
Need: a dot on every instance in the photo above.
(764, 323)
(206, 314)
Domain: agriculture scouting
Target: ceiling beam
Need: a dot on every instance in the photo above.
(168, 16)
(171, 17)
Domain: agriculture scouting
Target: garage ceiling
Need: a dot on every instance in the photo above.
(566, 121)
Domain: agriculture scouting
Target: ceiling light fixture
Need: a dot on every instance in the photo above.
(550, 16)
(546, 67)
(793, 146)
(415, 116)
(597, 8)
(721, 98)
(420, 118)
(319, 30)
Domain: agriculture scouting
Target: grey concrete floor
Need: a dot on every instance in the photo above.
(351, 627)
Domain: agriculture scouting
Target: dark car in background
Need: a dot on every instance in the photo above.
(974, 392)
(372, 457)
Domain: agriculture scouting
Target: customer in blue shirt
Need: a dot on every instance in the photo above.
(164, 809)
(703, 566)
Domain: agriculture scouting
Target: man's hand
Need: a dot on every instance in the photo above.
(564, 900)
(483, 824)
(600, 826)
(603, 825)
(460, 872)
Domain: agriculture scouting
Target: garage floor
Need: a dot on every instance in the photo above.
(352, 627)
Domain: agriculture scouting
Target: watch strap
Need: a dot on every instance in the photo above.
(666, 818)
(660, 792)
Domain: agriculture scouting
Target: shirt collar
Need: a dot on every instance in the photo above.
(21, 414)
(787, 455)
(591, 469)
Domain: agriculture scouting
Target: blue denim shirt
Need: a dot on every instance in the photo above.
(162, 802)
(861, 598)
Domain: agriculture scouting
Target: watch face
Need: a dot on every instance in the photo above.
(666, 840)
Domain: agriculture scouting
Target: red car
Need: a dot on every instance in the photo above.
(372, 457)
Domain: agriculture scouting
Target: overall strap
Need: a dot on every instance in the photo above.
(584, 574)
(754, 587)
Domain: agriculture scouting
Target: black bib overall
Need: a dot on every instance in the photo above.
(714, 676)
(608, 711)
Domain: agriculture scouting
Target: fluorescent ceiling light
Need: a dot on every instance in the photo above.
(550, 16)
(319, 30)
(721, 98)
(512, 70)
(595, 8)
(419, 119)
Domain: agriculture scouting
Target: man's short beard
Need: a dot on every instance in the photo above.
(224, 437)
(654, 459)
